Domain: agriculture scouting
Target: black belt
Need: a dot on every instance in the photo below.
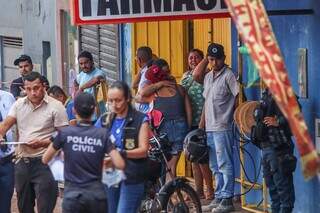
(6, 159)
(83, 185)
(265, 144)
(30, 159)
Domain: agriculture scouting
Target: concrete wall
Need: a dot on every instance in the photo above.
(293, 32)
(11, 19)
(39, 25)
(36, 21)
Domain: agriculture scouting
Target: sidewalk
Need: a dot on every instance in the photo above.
(14, 208)
(237, 206)
(204, 202)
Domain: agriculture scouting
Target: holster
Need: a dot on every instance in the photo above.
(287, 163)
(254, 137)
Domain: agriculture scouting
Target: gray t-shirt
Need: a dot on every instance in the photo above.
(220, 90)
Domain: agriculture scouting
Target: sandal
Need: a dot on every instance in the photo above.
(210, 196)
(200, 194)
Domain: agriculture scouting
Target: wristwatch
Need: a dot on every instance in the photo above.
(123, 153)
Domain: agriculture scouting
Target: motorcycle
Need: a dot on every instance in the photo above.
(173, 196)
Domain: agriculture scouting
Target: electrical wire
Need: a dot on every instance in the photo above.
(237, 134)
(256, 175)
(260, 202)
(239, 137)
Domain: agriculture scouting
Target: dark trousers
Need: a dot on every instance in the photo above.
(34, 180)
(125, 198)
(6, 186)
(280, 183)
(88, 198)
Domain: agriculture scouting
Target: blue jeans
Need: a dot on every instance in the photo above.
(126, 198)
(280, 184)
(6, 186)
(221, 163)
(176, 130)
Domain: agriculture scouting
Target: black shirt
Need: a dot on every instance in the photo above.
(15, 87)
(17, 84)
(84, 147)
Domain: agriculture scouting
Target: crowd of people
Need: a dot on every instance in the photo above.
(45, 122)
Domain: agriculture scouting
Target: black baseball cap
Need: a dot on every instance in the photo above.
(215, 50)
(84, 104)
(22, 57)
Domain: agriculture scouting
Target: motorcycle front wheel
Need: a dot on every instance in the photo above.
(181, 198)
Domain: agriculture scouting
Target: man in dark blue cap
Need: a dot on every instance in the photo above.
(25, 67)
(220, 92)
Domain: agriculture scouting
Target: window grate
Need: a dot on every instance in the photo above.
(12, 41)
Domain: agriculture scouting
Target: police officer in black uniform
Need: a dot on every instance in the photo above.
(272, 134)
(84, 149)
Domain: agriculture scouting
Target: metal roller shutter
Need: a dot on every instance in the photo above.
(102, 42)
(109, 60)
(89, 40)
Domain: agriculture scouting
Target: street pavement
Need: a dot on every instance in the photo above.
(237, 206)
(14, 208)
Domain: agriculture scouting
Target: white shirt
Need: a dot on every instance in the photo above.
(143, 81)
(6, 101)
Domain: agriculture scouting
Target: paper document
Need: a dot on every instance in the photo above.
(13, 142)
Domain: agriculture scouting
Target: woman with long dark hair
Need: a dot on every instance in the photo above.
(201, 170)
(129, 133)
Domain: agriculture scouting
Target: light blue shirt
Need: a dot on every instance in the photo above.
(143, 80)
(6, 101)
(116, 130)
(84, 77)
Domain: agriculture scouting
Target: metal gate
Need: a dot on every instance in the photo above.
(11, 48)
(102, 42)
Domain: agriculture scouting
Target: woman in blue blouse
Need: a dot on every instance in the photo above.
(129, 133)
